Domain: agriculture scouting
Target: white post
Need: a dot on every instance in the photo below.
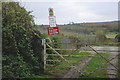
(44, 52)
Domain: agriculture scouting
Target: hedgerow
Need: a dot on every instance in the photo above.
(21, 42)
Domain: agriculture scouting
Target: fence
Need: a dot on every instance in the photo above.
(82, 68)
(55, 51)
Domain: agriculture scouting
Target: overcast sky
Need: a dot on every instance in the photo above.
(76, 11)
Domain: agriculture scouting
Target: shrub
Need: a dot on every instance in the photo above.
(21, 42)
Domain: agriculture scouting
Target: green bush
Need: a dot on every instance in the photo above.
(21, 42)
(16, 67)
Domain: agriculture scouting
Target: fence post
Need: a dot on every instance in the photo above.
(44, 53)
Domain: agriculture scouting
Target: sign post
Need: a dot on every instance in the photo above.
(53, 29)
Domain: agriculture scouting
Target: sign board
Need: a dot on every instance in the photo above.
(51, 12)
(53, 30)
(52, 21)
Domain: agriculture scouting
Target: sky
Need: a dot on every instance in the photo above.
(77, 11)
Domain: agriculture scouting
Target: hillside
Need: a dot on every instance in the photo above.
(84, 28)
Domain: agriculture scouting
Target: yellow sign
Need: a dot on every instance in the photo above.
(51, 12)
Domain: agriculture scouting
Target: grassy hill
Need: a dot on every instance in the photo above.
(93, 32)
(84, 28)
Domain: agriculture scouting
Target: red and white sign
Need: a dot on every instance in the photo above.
(53, 30)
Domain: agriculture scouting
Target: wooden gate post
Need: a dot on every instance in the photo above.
(44, 53)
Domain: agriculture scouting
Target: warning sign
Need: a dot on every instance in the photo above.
(53, 30)
(51, 12)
